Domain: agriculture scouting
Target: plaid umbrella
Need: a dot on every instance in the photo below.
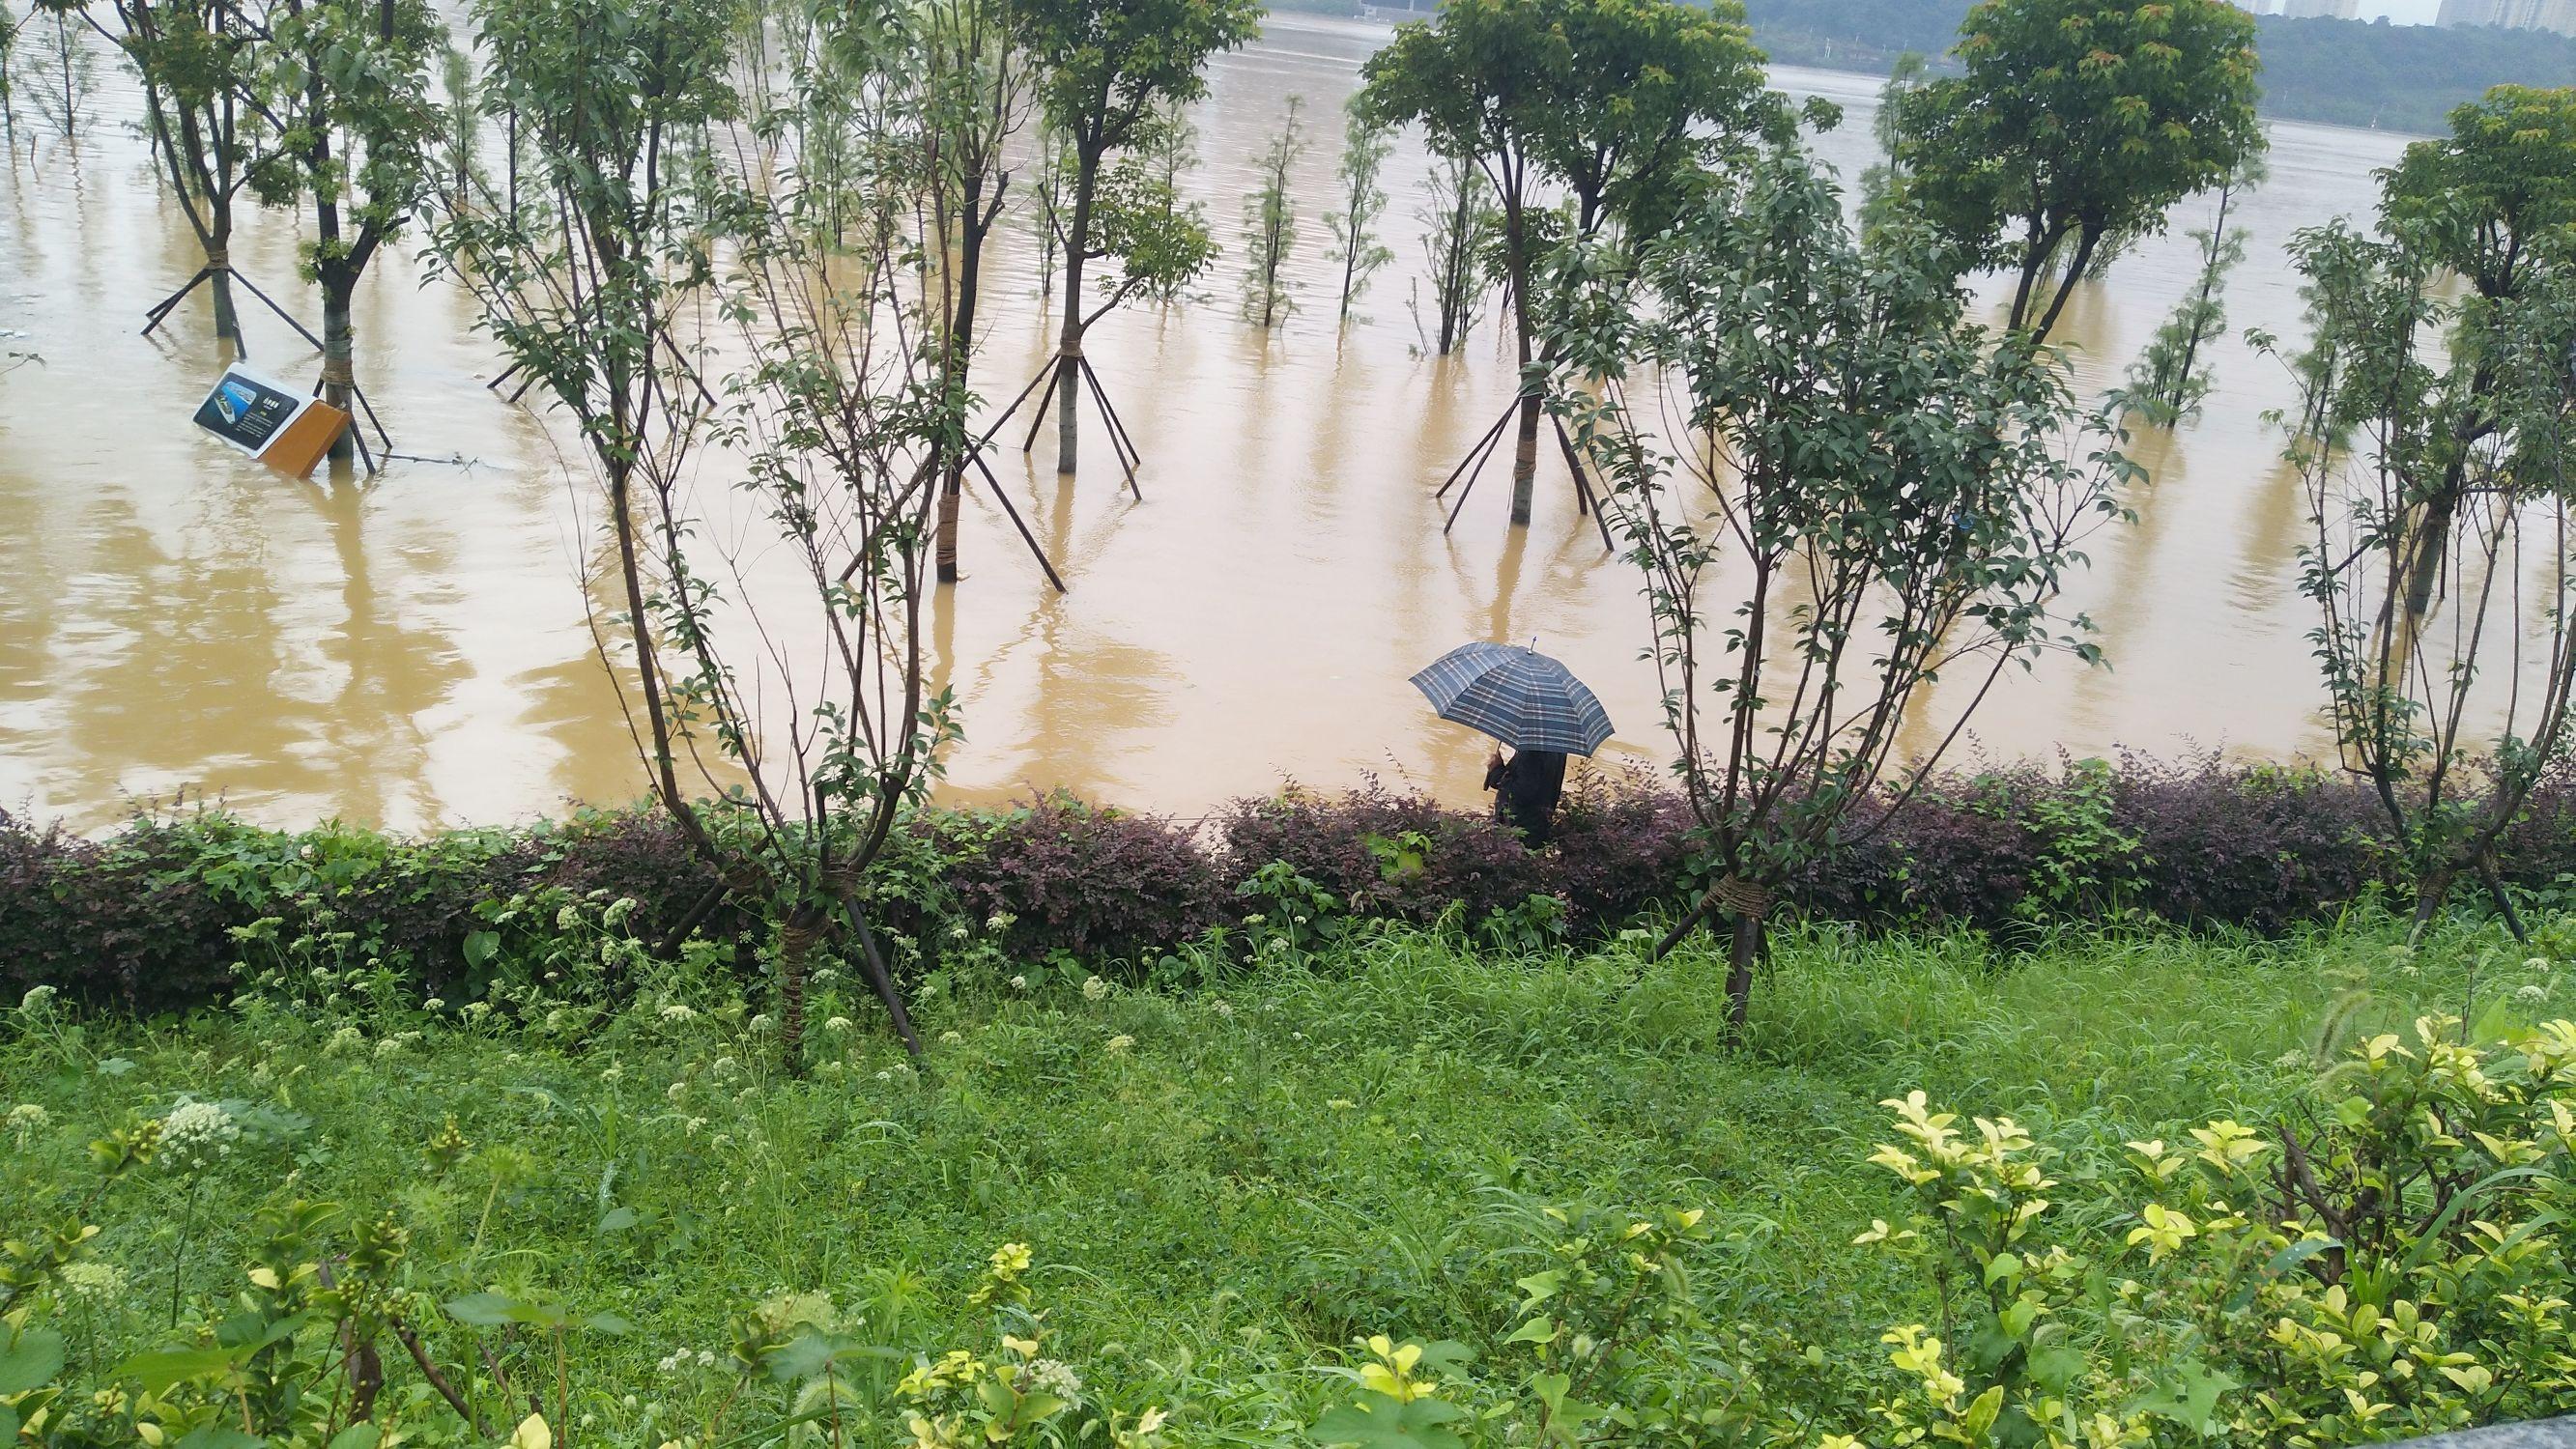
(1519, 696)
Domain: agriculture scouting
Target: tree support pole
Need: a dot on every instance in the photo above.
(977, 458)
(1479, 448)
(1119, 443)
(161, 310)
(872, 962)
(288, 317)
(1046, 399)
(1584, 503)
(1483, 453)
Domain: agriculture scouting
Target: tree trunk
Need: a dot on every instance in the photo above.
(1744, 949)
(1068, 357)
(958, 354)
(220, 278)
(2430, 895)
(1525, 445)
(1525, 459)
(339, 374)
(952, 490)
(2427, 550)
(796, 937)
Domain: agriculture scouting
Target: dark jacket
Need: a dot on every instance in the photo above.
(1526, 788)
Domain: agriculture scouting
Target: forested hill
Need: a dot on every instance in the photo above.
(2395, 77)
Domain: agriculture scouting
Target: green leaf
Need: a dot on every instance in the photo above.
(357, 1436)
(217, 1436)
(1541, 1329)
(159, 1370)
(483, 1310)
(481, 947)
(615, 1220)
(1386, 1424)
(2190, 1401)
(31, 1361)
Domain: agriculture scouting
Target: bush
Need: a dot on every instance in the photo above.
(146, 920)
(1061, 875)
(1397, 857)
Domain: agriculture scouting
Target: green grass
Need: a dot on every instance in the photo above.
(1218, 1185)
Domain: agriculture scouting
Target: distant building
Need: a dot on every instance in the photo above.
(2258, 7)
(2553, 15)
(2320, 9)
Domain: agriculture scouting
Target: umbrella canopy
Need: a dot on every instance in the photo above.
(1519, 696)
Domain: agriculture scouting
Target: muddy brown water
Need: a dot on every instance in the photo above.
(412, 650)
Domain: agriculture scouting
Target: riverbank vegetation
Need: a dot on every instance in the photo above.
(153, 918)
(342, 1208)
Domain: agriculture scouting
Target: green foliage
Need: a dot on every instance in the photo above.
(1354, 223)
(1612, 99)
(1916, 483)
(2485, 200)
(2167, 382)
(2431, 433)
(2076, 125)
(1270, 227)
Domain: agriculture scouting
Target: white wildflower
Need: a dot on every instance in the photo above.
(25, 1121)
(1093, 988)
(722, 1067)
(433, 1004)
(674, 1011)
(94, 1283)
(677, 1092)
(762, 1022)
(1221, 1007)
(1019, 983)
(612, 1073)
(347, 1039)
(389, 1046)
(37, 999)
(2533, 992)
(196, 1135)
(2536, 963)
(838, 1024)
(1056, 1377)
(1121, 1042)
(950, 1038)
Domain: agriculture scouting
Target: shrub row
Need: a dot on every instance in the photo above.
(147, 917)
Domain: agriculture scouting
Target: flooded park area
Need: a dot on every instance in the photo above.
(414, 648)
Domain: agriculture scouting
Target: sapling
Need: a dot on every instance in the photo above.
(1270, 227)
(1365, 147)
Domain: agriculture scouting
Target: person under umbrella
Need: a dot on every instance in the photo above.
(1531, 703)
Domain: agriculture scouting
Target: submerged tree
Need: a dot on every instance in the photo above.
(1615, 102)
(976, 99)
(206, 127)
(1365, 147)
(460, 120)
(1459, 228)
(2435, 427)
(2487, 202)
(2168, 381)
(1108, 70)
(1270, 227)
(61, 97)
(835, 407)
(348, 81)
(1879, 180)
(1875, 497)
(2075, 128)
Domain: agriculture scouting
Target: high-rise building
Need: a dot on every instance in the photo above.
(2553, 15)
(2320, 9)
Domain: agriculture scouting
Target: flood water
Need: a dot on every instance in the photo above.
(412, 650)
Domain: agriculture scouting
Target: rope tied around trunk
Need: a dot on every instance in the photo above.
(1742, 897)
